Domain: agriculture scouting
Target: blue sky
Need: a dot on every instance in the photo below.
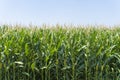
(37, 12)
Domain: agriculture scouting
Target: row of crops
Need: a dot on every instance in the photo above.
(59, 53)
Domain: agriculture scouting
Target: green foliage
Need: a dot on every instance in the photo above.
(59, 53)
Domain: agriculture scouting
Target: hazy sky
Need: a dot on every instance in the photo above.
(60, 11)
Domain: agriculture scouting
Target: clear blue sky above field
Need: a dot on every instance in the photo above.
(60, 11)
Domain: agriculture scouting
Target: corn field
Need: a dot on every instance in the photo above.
(59, 53)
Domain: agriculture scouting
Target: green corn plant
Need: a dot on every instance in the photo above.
(59, 52)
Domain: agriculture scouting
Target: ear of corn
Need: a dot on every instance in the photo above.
(59, 53)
